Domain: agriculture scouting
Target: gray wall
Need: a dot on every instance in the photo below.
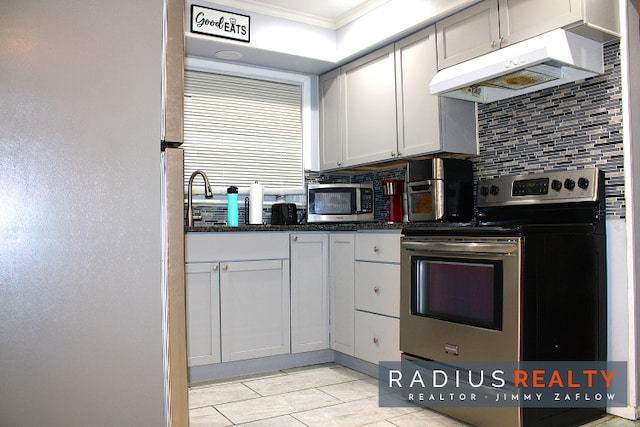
(80, 240)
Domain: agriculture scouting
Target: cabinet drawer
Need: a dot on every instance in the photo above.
(377, 338)
(236, 246)
(378, 288)
(381, 247)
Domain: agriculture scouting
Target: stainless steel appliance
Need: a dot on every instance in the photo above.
(527, 283)
(173, 286)
(340, 202)
(440, 189)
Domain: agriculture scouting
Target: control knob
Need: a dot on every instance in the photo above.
(569, 184)
(556, 185)
(495, 190)
(583, 183)
(484, 191)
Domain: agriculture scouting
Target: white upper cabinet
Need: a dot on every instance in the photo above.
(492, 24)
(428, 123)
(467, 34)
(331, 111)
(379, 109)
(370, 108)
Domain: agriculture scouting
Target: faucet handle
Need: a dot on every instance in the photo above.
(197, 217)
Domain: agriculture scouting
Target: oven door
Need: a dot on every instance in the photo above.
(426, 200)
(460, 298)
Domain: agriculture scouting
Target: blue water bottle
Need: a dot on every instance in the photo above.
(232, 206)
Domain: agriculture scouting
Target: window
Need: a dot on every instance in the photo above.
(240, 129)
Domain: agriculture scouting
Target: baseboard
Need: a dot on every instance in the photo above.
(628, 412)
(219, 371)
(356, 364)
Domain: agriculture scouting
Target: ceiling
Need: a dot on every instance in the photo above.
(331, 14)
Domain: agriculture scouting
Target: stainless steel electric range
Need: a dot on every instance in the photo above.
(526, 283)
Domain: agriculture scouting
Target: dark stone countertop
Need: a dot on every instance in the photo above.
(370, 226)
(365, 226)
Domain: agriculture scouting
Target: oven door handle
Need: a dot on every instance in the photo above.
(459, 247)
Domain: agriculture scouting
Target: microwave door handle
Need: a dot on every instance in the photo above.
(459, 247)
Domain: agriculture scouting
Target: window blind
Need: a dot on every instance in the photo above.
(240, 130)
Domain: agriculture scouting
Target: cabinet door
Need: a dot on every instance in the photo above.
(467, 34)
(523, 19)
(342, 282)
(254, 309)
(370, 108)
(331, 111)
(309, 292)
(418, 113)
(203, 314)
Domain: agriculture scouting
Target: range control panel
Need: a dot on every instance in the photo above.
(549, 187)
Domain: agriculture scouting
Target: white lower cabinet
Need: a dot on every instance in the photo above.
(238, 298)
(203, 317)
(254, 309)
(377, 296)
(309, 292)
(342, 291)
(252, 295)
(377, 337)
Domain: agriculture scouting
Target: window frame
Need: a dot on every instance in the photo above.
(310, 121)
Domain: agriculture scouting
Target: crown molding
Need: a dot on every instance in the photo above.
(305, 18)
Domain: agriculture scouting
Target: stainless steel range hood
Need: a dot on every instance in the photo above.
(551, 59)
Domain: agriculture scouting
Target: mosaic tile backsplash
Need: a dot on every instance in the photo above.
(567, 127)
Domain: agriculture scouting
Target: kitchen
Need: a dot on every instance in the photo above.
(67, 326)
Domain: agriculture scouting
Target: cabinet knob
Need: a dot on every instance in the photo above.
(376, 289)
(215, 267)
(493, 44)
(393, 154)
(376, 249)
(502, 41)
(225, 267)
(339, 163)
(375, 340)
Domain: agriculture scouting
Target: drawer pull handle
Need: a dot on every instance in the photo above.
(376, 289)
(375, 340)
(376, 249)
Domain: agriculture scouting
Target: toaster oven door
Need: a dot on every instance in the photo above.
(426, 200)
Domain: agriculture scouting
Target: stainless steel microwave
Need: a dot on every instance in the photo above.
(340, 202)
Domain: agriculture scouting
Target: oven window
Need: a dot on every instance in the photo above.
(421, 203)
(332, 201)
(461, 291)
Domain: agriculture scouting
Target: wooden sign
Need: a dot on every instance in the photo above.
(218, 23)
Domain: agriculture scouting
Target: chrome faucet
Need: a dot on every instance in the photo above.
(207, 193)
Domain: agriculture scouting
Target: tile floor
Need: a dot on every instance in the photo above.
(320, 395)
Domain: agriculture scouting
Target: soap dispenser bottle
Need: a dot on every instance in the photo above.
(232, 206)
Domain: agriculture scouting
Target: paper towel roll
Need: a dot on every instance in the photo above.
(256, 192)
